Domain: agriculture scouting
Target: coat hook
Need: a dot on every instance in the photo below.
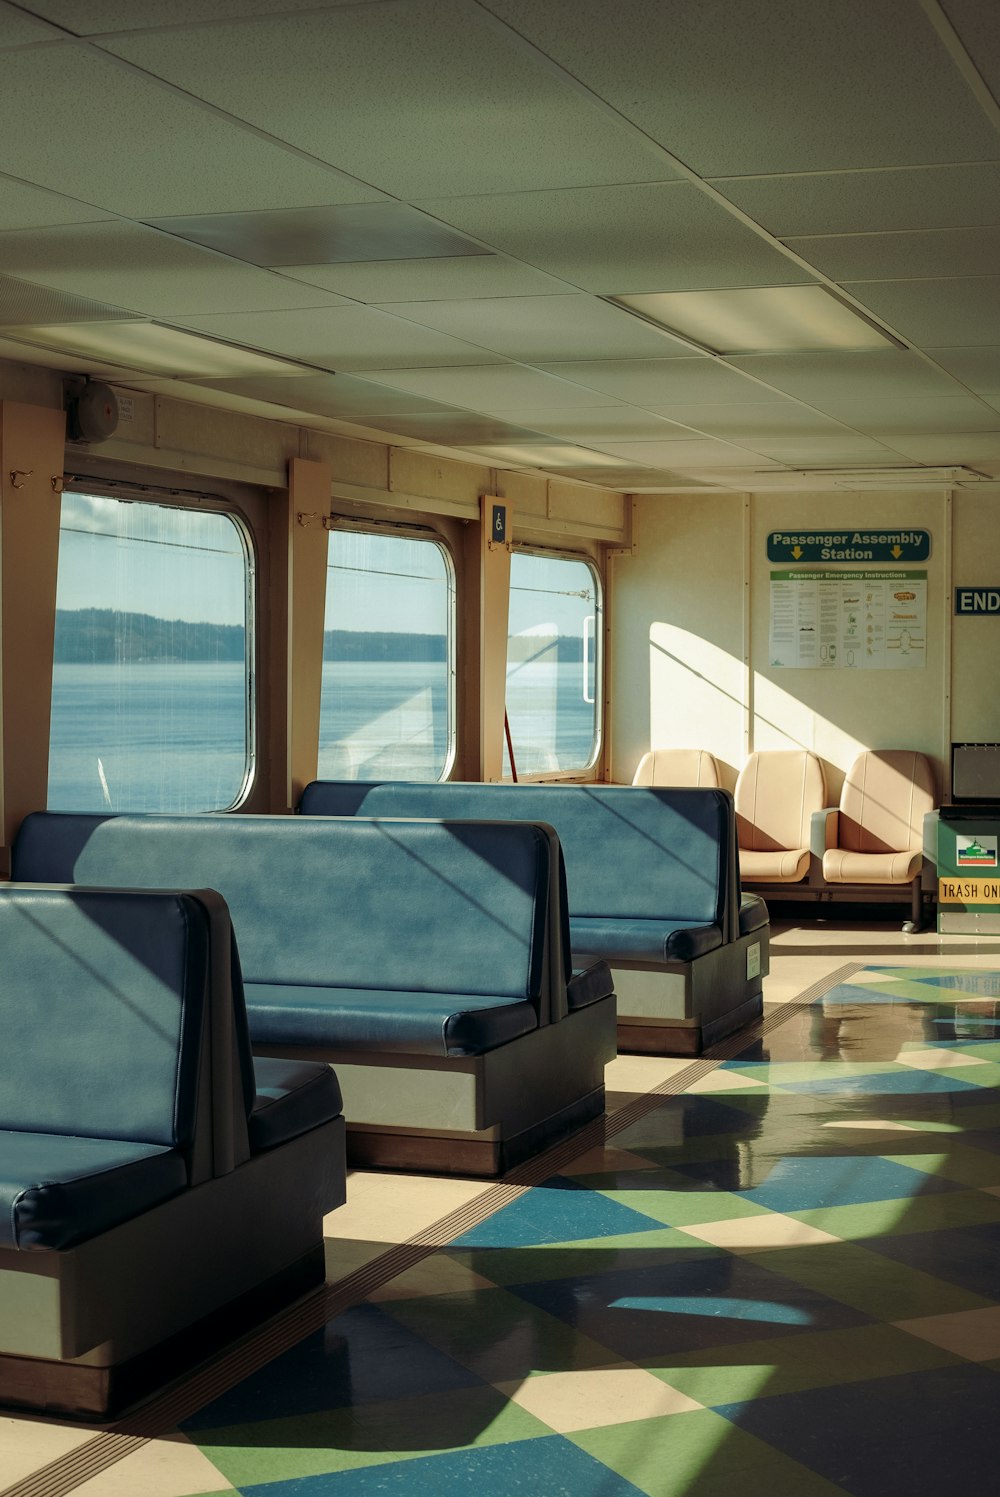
(58, 483)
(22, 473)
(306, 517)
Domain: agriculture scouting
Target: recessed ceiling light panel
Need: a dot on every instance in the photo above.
(768, 319)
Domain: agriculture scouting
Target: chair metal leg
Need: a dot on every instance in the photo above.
(916, 920)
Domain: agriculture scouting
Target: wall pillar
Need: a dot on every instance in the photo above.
(308, 505)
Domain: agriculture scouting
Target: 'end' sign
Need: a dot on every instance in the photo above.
(969, 600)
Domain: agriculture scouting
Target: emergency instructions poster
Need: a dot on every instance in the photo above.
(865, 619)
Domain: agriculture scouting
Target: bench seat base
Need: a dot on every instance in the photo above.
(684, 1008)
(477, 1114)
(87, 1330)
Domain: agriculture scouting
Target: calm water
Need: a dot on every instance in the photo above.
(173, 737)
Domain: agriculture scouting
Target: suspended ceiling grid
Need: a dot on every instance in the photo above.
(420, 219)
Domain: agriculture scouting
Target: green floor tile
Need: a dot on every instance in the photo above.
(273, 1450)
(958, 1208)
(850, 1274)
(691, 1203)
(784, 1072)
(788, 1364)
(972, 1167)
(561, 1260)
(699, 1454)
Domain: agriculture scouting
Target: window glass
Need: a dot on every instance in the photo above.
(150, 686)
(553, 671)
(386, 708)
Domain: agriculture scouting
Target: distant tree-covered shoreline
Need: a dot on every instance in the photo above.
(101, 636)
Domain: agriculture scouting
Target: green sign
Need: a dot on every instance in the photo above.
(849, 545)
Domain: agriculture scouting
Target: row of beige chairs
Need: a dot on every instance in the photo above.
(789, 835)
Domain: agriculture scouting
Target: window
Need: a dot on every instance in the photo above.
(553, 663)
(388, 658)
(151, 699)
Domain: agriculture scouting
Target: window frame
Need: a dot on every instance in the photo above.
(196, 501)
(388, 528)
(587, 771)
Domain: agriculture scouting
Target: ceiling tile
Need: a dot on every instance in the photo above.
(148, 272)
(26, 207)
(420, 98)
(494, 389)
(345, 338)
(625, 479)
(976, 24)
(67, 363)
(762, 319)
(20, 30)
(678, 454)
(91, 17)
(660, 382)
(454, 429)
(659, 236)
(973, 449)
(337, 396)
(845, 449)
(24, 302)
(977, 368)
(544, 455)
(745, 423)
(963, 311)
(104, 138)
(456, 278)
(920, 197)
(859, 84)
(818, 377)
(885, 417)
(342, 232)
(543, 328)
(620, 423)
(877, 257)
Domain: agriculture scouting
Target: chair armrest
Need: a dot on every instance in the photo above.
(928, 871)
(823, 829)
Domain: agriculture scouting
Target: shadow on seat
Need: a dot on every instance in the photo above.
(777, 794)
(876, 835)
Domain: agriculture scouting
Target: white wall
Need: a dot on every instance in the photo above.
(691, 620)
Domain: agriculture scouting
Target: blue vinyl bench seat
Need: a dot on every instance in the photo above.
(157, 1184)
(443, 1024)
(56, 1191)
(427, 961)
(642, 940)
(652, 889)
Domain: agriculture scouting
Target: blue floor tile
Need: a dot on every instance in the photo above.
(800, 1183)
(651, 1312)
(558, 1211)
(546, 1467)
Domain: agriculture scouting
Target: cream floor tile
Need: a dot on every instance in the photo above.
(391, 1208)
(721, 1081)
(974, 1334)
(756, 1234)
(171, 1467)
(437, 1274)
(641, 1073)
(344, 1256)
(26, 1444)
(872, 1128)
(937, 1060)
(586, 1399)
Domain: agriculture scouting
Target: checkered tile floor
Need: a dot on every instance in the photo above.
(787, 1282)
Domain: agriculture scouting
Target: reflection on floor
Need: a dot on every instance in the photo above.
(780, 1275)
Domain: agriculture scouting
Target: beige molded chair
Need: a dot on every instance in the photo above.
(691, 767)
(777, 794)
(877, 835)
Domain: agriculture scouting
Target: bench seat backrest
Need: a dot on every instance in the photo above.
(632, 853)
(117, 1021)
(413, 906)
